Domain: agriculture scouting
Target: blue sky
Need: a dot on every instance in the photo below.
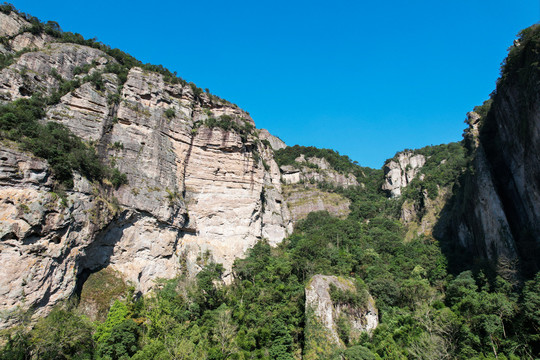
(367, 79)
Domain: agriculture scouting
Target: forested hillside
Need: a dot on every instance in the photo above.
(425, 312)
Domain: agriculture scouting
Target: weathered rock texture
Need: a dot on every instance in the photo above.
(496, 215)
(301, 191)
(275, 142)
(303, 199)
(400, 172)
(194, 194)
(315, 170)
(326, 312)
(497, 212)
(421, 219)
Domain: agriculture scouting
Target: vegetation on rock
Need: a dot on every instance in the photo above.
(426, 311)
(65, 152)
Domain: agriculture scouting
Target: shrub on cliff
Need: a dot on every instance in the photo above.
(53, 142)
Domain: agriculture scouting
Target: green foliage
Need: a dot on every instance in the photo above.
(17, 344)
(117, 178)
(266, 143)
(282, 341)
(343, 327)
(227, 122)
(522, 60)
(348, 297)
(121, 343)
(5, 60)
(64, 151)
(100, 289)
(531, 313)
(483, 109)
(7, 8)
(170, 113)
(340, 163)
(358, 352)
(8, 59)
(424, 312)
(117, 337)
(444, 164)
(62, 335)
(197, 92)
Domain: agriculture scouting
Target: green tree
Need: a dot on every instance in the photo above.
(62, 335)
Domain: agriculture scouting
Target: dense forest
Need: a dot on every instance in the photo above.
(427, 309)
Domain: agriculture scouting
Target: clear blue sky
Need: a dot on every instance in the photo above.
(366, 78)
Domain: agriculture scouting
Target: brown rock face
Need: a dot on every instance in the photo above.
(193, 192)
(275, 142)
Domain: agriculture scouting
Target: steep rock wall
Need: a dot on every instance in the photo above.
(400, 172)
(497, 213)
(302, 194)
(192, 190)
(325, 316)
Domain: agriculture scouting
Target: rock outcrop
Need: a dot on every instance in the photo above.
(275, 142)
(195, 193)
(301, 191)
(325, 314)
(492, 216)
(315, 170)
(302, 200)
(496, 213)
(421, 219)
(401, 171)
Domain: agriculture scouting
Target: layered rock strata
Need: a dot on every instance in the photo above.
(315, 170)
(275, 142)
(302, 200)
(195, 193)
(301, 191)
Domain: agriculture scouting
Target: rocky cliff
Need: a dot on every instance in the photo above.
(302, 192)
(315, 170)
(337, 312)
(400, 171)
(421, 181)
(201, 185)
(496, 213)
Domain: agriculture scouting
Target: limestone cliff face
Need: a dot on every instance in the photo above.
(193, 191)
(400, 172)
(303, 199)
(482, 225)
(315, 170)
(326, 313)
(496, 213)
(302, 194)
